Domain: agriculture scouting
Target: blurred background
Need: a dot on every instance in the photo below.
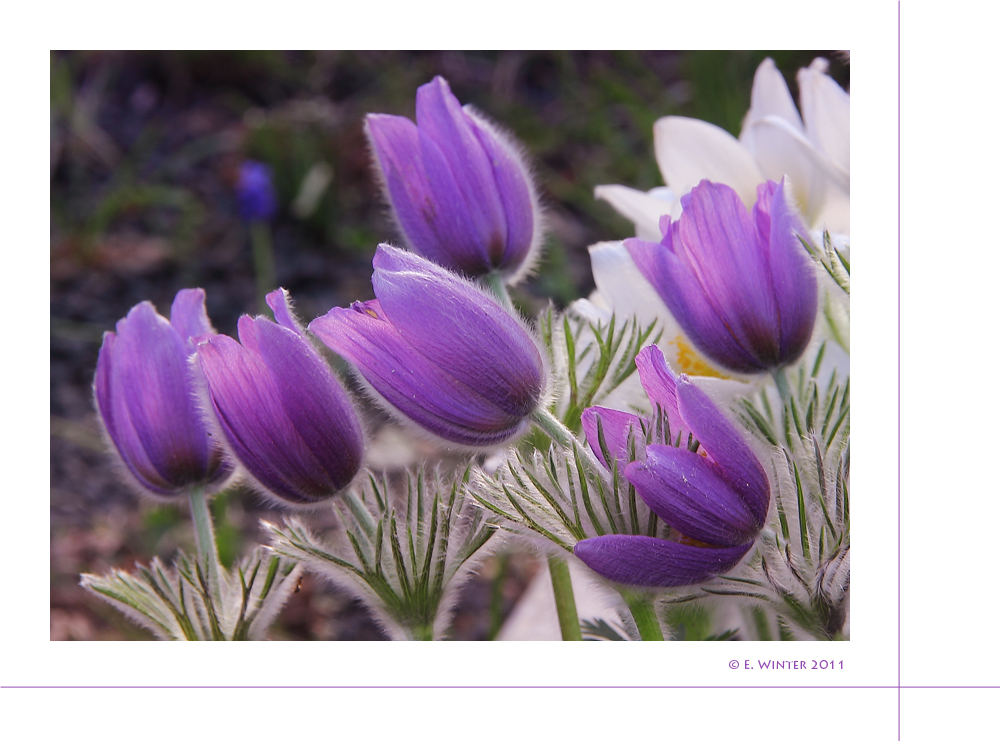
(146, 148)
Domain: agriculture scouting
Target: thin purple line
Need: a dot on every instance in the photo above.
(513, 687)
(899, 374)
(466, 687)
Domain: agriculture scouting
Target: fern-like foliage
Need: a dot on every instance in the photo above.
(404, 554)
(178, 603)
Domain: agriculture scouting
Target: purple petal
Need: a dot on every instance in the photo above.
(397, 150)
(660, 385)
(280, 302)
(283, 414)
(679, 287)
(457, 327)
(514, 184)
(641, 561)
(615, 427)
(418, 388)
(188, 316)
(736, 461)
(793, 274)
(718, 240)
(689, 494)
(440, 117)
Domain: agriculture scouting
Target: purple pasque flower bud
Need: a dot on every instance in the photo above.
(715, 499)
(739, 284)
(439, 351)
(280, 410)
(146, 401)
(255, 192)
(459, 188)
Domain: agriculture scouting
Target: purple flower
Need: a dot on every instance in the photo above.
(280, 410)
(459, 188)
(255, 192)
(440, 351)
(714, 503)
(146, 401)
(740, 285)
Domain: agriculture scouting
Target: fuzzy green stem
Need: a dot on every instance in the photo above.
(781, 381)
(496, 596)
(263, 262)
(562, 586)
(204, 537)
(644, 615)
(494, 281)
(422, 633)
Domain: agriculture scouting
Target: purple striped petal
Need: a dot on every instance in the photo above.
(683, 293)
(280, 302)
(735, 460)
(689, 494)
(514, 184)
(442, 121)
(457, 327)
(188, 316)
(793, 272)
(145, 397)
(416, 387)
(641, 561)
(284, 415)
(615, 427)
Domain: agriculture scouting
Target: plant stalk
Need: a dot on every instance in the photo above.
(562, 586)
(204, 535)
(263, 262)
(494, 282)
(644, 615)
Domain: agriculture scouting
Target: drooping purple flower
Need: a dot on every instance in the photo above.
(715, 504)
(282, 413)
(740, 285)
(146, 401)
(255, 192)
(440, 351)
(459, 188)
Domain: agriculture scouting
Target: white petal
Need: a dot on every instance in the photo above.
(826, 109)
(769, 97)
(623, 288)
(644, 209)
(689, 150)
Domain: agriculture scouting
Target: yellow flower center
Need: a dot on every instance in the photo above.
(690, 361)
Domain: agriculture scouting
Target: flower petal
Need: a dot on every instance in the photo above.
(644, 209)
(280, 302)
(625, 290)
(462, 160)
(459, 328)
(411, 384)
(188, 316)
(689, 151)
(826, 109)
(688, 493)
(769, 97)
(736, 461)
(615, 427)
(641, 561)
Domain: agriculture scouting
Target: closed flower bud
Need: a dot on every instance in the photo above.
(439, 351)
(739, 284)
(714, 497)
(459, 188)
(280, 410)
(146, 401)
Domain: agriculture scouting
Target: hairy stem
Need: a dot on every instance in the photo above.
(644, 615)
(204, 535)
(562, 585)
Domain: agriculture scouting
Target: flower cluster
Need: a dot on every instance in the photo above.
(664, 493)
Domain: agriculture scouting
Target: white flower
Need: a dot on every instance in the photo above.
(812, 150)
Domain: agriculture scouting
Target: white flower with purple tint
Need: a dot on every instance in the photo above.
(440, 352)
(459, 188)
(713, 495)
(282, 413)
(145, 398)
(812, 149)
